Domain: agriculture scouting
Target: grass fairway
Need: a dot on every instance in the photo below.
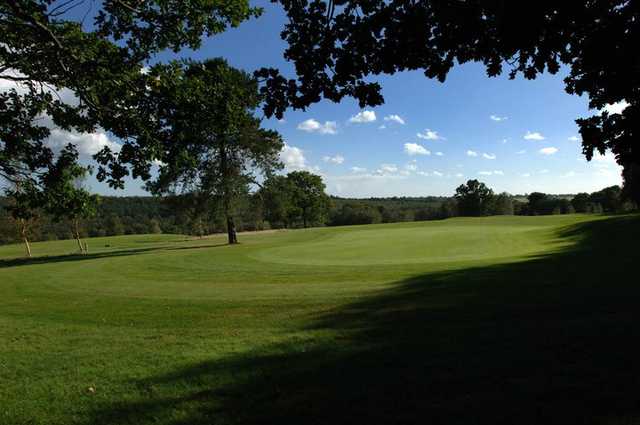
(501, 320)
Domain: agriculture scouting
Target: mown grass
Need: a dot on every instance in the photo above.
(524, 320)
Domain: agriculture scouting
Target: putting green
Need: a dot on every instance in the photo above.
(433, 242)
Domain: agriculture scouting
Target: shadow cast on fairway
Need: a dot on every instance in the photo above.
(47, 259)
(551, 340)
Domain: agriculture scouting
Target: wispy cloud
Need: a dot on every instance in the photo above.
(387, 169)
(363, 117)
(533, 136)
(337, 159)
(522, 152)
(491, 173)
(548, 151)
(573, 138)
(415, 149)
(313, 126)
(488, 156)
(394, 118)
(498, 118)
(411, 166)
(472, 153)
(439, 154)
(429, 135)
(358, 169)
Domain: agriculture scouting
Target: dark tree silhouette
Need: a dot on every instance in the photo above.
(83, 76)
(337, 46)
(474, 198)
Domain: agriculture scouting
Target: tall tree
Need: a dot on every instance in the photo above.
(337, 47)
(474, 198)
(276, 193)
(82, 76)
(206, 135)
(309, 196)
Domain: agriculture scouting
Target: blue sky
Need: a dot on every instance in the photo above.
(516, 135)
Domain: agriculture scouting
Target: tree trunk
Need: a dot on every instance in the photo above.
(23, 231)
(231, 231)
(77, 235)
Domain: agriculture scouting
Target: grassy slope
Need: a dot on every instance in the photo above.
(496, 320)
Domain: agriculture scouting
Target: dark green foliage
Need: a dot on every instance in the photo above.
(580, 202)
(298, 197)
(45, 47)
(474, 199)
(276, 194)
(207, 137)
(354, 213)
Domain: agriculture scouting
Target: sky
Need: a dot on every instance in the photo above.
(517, 136)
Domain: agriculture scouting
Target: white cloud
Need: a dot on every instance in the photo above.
(382, 127)
(363, 117)
(573, 138)
(423, 173)
(338, 159)
(533, 136)
(488, 156)
(491, 173)
(439, 154)
(282, 121)
(415, 149)
(386, 169)
(87, 143)
(497, 118)
(358, 169)
(293, 158)
(526, 174)
(543, 171)
(394, 118)
(548, 151)
(313, 126)
(498, 173)
(459, 175)
(522, 152)
(616, 108)
(429, 135)
(504, 141)
(437, 174)
(411, 166)
(472, 153)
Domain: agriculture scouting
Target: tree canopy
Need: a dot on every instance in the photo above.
(474, 198)
(337, 47)
(204, 133)
(82, 76)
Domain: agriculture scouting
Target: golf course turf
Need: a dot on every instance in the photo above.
(497, 320)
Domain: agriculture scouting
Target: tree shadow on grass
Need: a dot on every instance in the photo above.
(551, 340)
(47, 259)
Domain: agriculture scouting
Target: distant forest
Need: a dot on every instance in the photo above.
(147, 214)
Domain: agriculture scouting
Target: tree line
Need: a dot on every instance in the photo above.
(295, 200)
